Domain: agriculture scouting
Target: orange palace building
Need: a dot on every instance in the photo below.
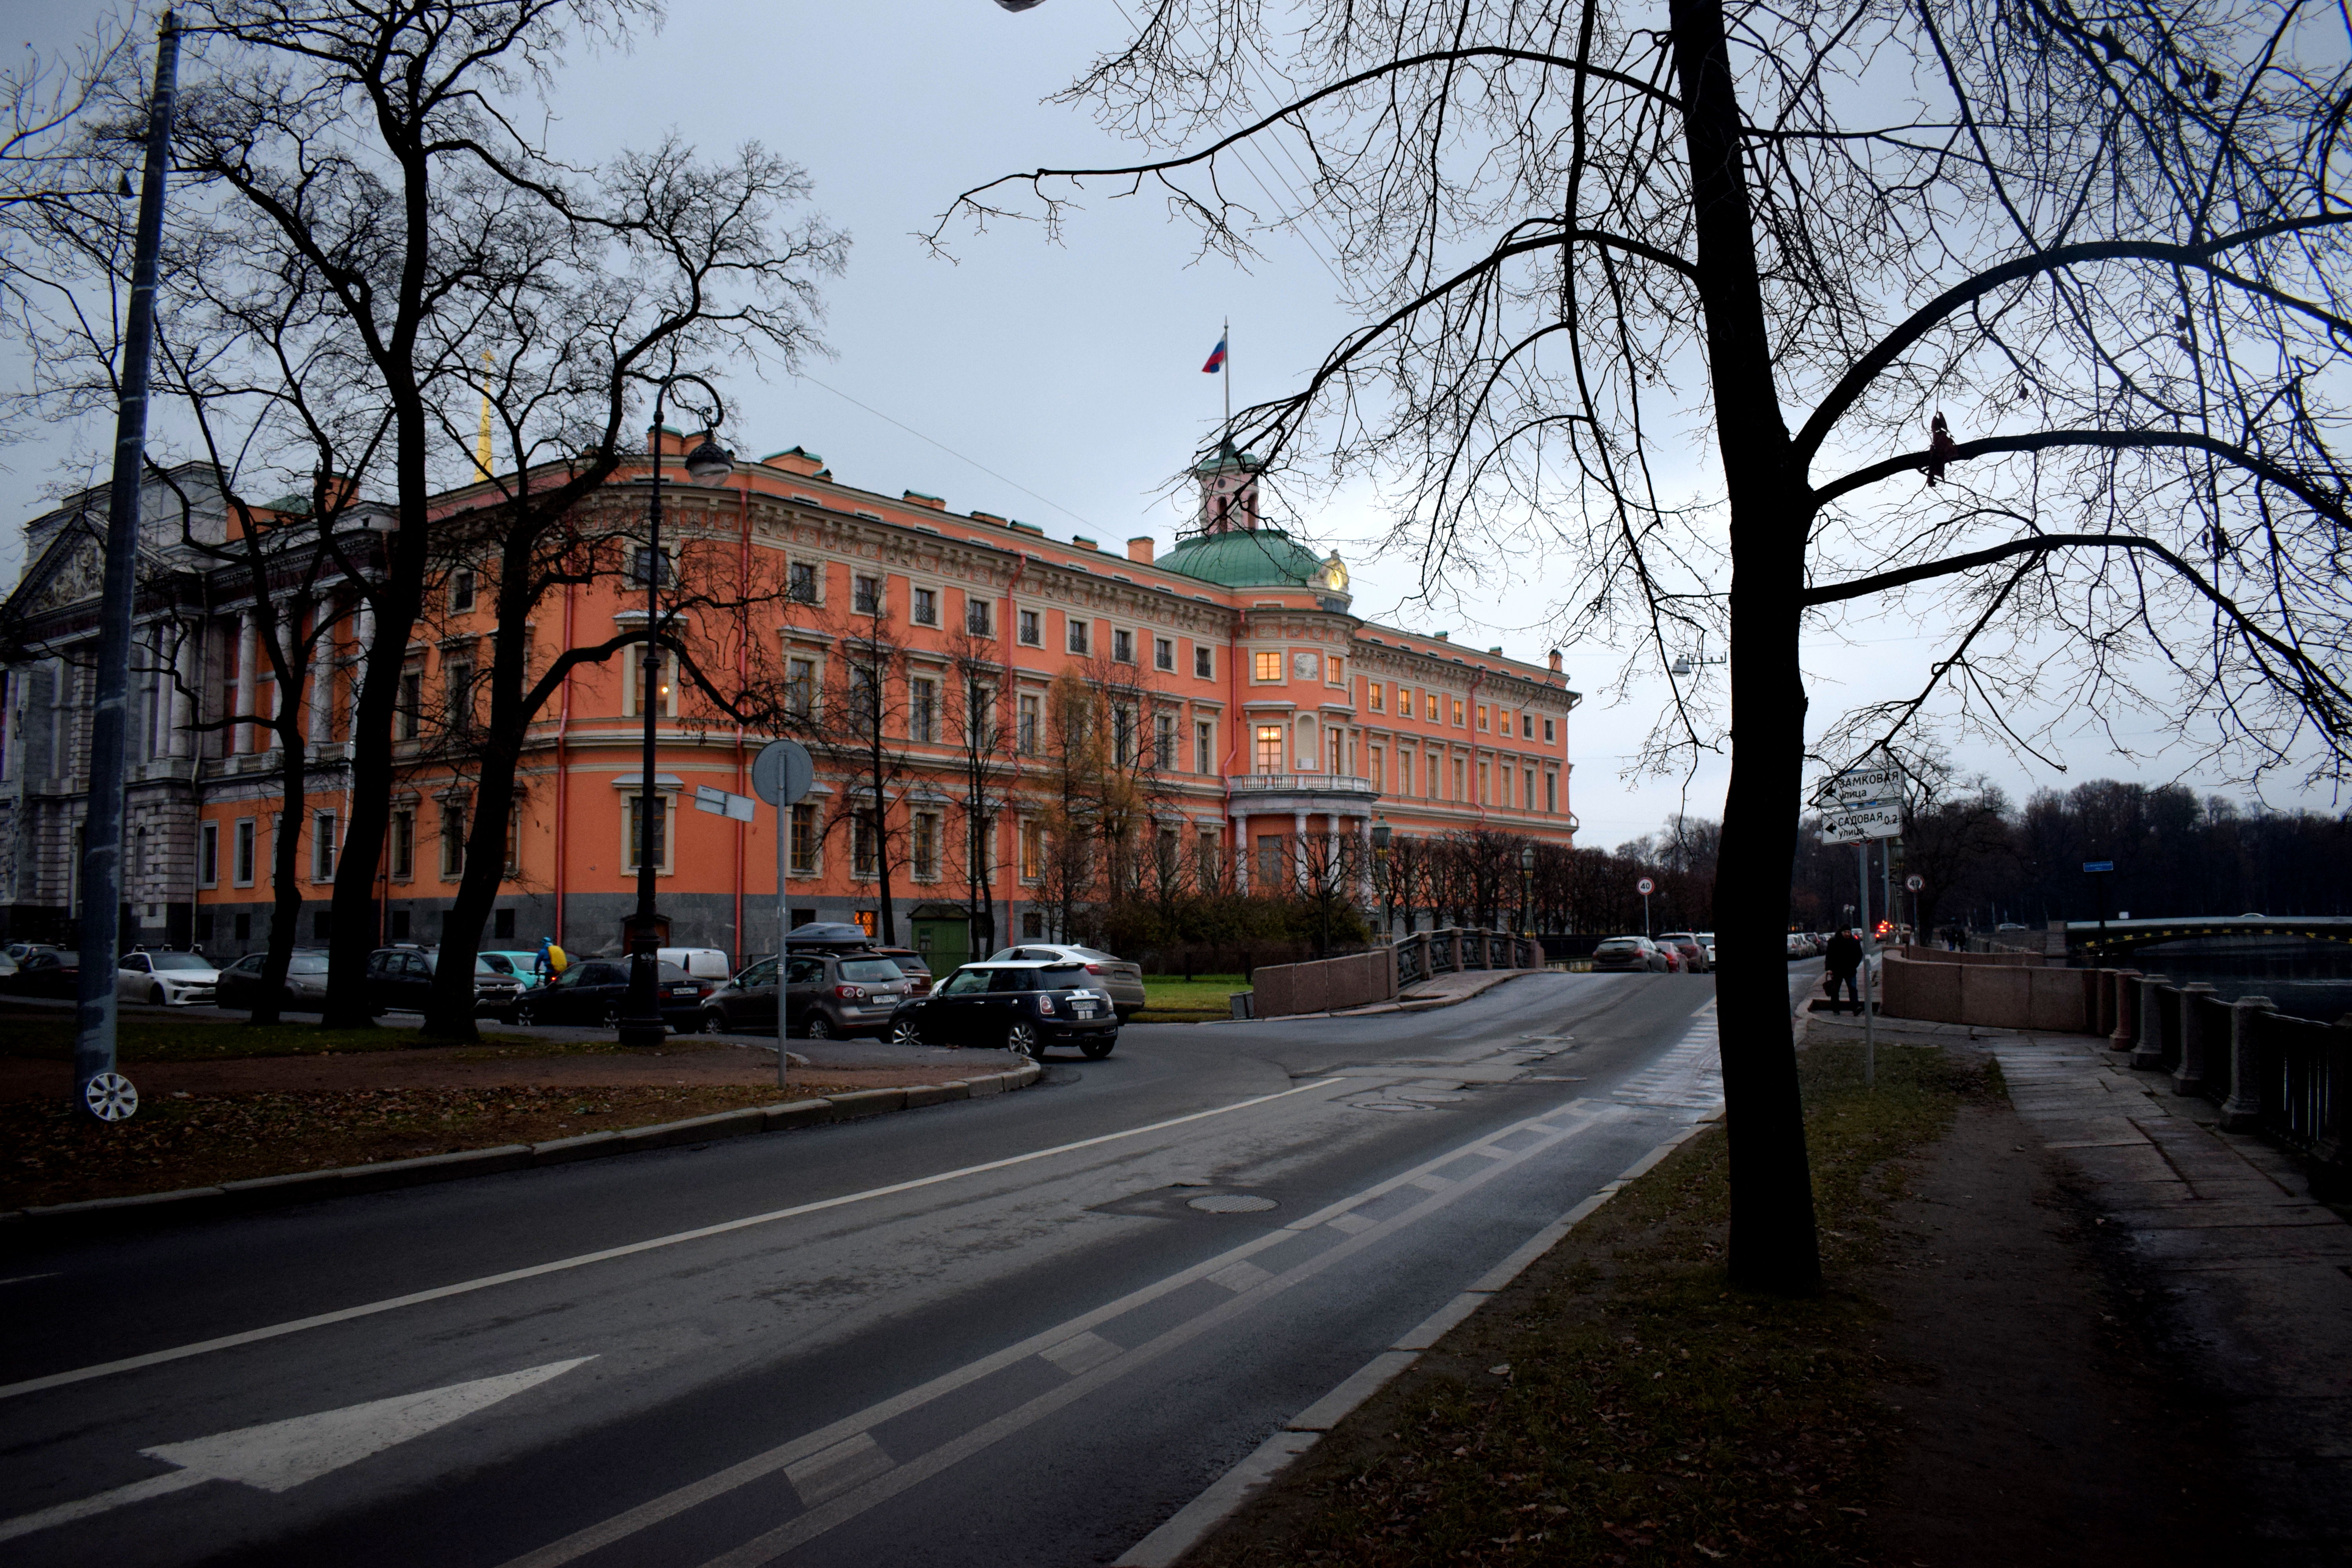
(1275, 712)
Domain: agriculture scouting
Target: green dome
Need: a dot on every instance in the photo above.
(1245, 558)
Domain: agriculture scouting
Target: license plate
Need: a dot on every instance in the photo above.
(681, 989)
(1085, 1009)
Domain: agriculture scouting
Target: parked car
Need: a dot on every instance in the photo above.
(1707, 941)
(748, 1001)
(1693, 951)
(912, 965)
(401, 978)
(702, 963)
(166, 979)
(828, 995)
(47, 973)
(593, 991)
(239, 985)
(523, 966)
(827, 934)
(1020, 1006)
(1634, 953)
(1123, 981)
(19, 951)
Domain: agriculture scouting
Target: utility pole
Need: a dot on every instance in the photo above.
(1869, 945)
(99, 1090)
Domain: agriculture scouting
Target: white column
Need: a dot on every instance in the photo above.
(1298, 849)
(1364, 861)
(322, 681)
(249, 649)
(190, 664)
(1241, 853)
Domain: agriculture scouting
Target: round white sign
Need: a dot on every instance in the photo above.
(1645, 886)
(1915, 881)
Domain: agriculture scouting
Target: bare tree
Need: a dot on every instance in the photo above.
(980, 718)
(2082, 271)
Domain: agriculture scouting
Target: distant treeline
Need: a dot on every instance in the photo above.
(1984, 860)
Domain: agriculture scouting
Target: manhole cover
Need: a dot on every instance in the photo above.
(1231, 1203)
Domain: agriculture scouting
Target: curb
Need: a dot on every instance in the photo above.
(1225, 1495)
(308, 1186)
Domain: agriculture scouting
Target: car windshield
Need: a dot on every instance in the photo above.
(496, 962)
(1619, 944)
(176, 961)
(963, 982)
(878, 971)
(307, 963)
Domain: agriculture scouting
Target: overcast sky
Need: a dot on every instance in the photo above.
(1060, 386)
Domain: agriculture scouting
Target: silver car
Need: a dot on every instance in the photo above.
(1123, 980)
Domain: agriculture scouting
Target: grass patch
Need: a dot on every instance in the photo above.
(46, 1037)
(1179, 1001)
(1619, 1403)
(56, 1155)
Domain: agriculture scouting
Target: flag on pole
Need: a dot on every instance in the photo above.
(1216, 360)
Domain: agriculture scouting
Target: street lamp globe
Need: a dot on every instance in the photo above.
(710, 461)
(1380, 838)
(1527, 858)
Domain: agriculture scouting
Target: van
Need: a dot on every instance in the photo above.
(702, 963)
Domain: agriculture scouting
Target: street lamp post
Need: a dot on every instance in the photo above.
(641, 1017)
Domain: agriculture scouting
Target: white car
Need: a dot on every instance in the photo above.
(166, 979)
(1707, 941)
(702, 963)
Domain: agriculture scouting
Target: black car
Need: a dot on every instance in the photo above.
(594, 992)
(305, 982)
(1024, 1007)
(47, 973)
(401, 977)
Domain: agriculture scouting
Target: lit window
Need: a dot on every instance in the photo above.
(1378, 695)
(1429, 705)
(1269, 748)
(1482, 715)
(1457, 712)
(1268, 666)
(1033, 850)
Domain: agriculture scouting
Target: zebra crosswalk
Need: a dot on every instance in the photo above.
(1688, 1076)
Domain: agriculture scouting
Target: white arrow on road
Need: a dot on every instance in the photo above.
(280, 1455)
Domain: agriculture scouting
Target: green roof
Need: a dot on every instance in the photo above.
(1245, 558)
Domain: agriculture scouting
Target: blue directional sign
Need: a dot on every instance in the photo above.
(2099, 865)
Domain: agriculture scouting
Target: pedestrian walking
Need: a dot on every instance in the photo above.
(1844, 959)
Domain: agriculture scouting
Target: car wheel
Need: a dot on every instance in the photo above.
(820, 1027)
(156, 997)
(1021, 1035)
(1096, 1049)
(714, 1022)
(905, 1033)
(523, 1014)
(612, 1015)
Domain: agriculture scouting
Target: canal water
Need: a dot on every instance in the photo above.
(2307, 979)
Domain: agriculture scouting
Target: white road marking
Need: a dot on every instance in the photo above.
(1081, 1352)
(281, 1455)
(28, 1278)
(1688, 1076)
(620, 1527)
(844, 1464)
(561, 1265)
(1242, 1275)
(1351, 1224)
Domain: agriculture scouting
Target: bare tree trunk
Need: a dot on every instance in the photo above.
(1773, 1243)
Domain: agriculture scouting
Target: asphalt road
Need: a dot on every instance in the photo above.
(993, 1331)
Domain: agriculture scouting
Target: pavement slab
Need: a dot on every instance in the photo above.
(2250, 1279)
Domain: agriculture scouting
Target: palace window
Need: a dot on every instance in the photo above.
(408, 716)
(924, 847)
(865, 843)
(1028, 743)
(453, 839)
(1269, 666)
(208, 854)
(803, 583)
(243, 868)
(1033, 850)
(402, 847)
(1163, 653)
(865, 595)
(1205, 664)
(1122, 646)
(1552, 792)
(1429, 705)
(799, 687)
(1269, 748)
(1163, 741)
(322, 847)
(461, 589)
(1376, 695)
(922, 709)
(1078, 636)
(1548, 731)
(1204, 747)
(924, 608)
(1457, 712)
(977, 619)
(1032, 629)
(803, 851)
